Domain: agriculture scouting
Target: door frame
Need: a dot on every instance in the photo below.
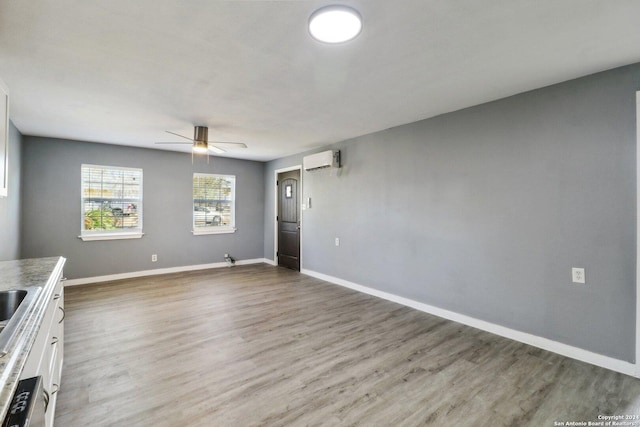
(637, 361)
(275, 211)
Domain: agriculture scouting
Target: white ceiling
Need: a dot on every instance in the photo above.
(123, 72)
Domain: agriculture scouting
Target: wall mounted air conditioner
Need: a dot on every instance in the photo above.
(326, 159)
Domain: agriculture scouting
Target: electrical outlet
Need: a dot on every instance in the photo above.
(154, 258)
(337, 241)
(577, 275)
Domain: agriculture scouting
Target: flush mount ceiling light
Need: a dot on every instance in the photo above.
(335, 24)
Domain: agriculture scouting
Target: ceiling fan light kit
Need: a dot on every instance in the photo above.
(200, 147)
(201, 140)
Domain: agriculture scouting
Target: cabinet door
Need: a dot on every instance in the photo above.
(37, 362)
(58, 332)
(55, 364)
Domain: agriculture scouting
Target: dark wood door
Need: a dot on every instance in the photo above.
(289, 220)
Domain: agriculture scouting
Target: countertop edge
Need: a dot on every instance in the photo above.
(16, 358)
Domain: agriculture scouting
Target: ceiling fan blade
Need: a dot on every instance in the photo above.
(216, 149)
(238, 144)
(181, 136)
(201, 135)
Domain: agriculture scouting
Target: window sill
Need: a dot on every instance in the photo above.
(209, 231)
(110, 236)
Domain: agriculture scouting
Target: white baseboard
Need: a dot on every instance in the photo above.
(155, 272)
(534, 340)
(270, 261)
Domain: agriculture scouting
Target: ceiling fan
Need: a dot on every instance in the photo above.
(201, 143)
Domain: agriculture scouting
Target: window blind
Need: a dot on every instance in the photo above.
(213, 202)
(111, 199)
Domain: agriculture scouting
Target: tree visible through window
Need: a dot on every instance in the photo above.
(111, 200)
(213, 203)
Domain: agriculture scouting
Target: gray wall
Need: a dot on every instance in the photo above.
(10, 205)
(485, 210)
(51, 202)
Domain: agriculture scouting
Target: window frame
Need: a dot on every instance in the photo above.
(91, 235)
(206, 230)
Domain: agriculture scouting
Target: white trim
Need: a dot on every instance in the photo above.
(534, 340)
(126, 168)
(4, 156)
(110, 236)
(134, 274)
(275, 211)
(212, 230)
(270, 262)
(637, 371)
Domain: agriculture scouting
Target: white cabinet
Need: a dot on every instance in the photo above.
(45, 357)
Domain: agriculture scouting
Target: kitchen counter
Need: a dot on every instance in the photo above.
(25, 274)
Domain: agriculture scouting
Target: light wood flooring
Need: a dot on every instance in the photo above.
(264, 346)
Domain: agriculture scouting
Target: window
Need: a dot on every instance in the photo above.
(111, 203)
(214, 209)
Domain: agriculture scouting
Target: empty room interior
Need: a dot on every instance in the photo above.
(319, 213)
